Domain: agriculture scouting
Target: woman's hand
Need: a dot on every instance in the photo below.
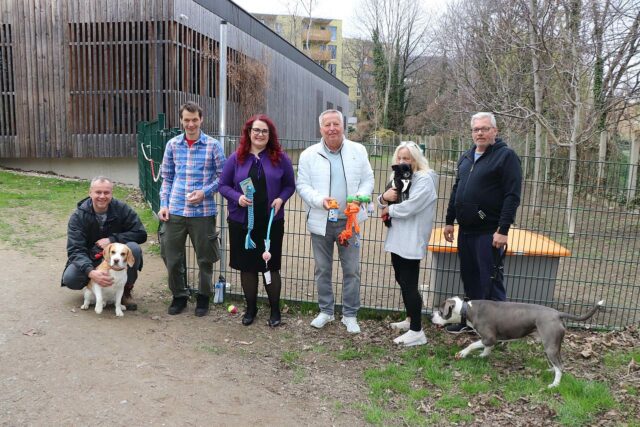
(244, 201)
(391, 195)
(277, 204)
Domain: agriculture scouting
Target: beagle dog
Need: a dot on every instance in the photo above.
(117, 257)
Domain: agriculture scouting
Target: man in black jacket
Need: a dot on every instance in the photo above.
(98, 221)
(484, 200)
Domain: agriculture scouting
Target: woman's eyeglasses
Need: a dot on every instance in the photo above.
(258, 131)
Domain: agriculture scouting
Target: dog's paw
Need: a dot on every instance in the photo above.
(99, 309)
(119, 313)
(460, 355)
(84, 307)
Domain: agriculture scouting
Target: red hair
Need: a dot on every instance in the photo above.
(274, 150)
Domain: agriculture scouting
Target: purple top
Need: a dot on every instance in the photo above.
(280, 183)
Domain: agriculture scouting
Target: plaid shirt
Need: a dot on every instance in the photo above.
(187, 169)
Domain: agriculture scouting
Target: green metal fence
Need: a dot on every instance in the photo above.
(603, 243)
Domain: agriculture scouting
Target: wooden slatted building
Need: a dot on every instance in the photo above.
(77, 75)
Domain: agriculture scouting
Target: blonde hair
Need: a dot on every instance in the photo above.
(420, 162)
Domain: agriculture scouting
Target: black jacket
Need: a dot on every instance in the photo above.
(122, 225)
(486, 194)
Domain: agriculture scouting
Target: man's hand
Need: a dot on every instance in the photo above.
(195, 197)
(325, 202)
(277, 204)
(103, 243)
(385, 211)
(448, 233)
(163, 214)
(102, 278)
(499, 240)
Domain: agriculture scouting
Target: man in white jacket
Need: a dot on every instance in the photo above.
(334, 168)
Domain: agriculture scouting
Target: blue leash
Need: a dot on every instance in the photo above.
(248, 243)
(267, 241)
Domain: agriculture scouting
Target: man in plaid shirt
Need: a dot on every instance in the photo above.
(191, 168)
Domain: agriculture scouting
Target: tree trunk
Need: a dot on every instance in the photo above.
(537, 96)
(602, 157)
(634, 156)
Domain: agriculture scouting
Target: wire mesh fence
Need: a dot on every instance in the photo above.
(577, 238)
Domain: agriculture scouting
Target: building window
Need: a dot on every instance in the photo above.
(334, 33)
(333, 49)
(358, 93)
(332, 69)
(329, 105)
(279, 28)
(358, 104)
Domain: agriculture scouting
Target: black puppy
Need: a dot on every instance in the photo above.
(401, 182)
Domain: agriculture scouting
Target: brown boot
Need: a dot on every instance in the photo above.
(129, 302)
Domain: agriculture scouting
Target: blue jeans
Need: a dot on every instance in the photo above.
(350, 262)
(476, 254)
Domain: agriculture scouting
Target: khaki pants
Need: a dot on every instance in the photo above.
(204, 237)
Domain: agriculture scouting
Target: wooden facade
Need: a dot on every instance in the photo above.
(77, 75)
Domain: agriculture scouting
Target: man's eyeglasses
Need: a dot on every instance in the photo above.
(258, 131)
(484, 129)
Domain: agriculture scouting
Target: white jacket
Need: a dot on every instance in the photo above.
(314, 180)
(412, 220)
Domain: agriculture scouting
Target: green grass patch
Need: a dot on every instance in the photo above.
(290, 358)
(617, 359)
(367, 352)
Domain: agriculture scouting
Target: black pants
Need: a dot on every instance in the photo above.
(478, 261)
(407, 272)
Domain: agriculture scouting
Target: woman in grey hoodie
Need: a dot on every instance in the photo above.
(408, 236)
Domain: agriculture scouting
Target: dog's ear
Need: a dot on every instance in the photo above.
(130, 259)
(465, 299)
(106, 253)
(447, 310)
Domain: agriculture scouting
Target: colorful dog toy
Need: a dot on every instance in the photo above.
(248, 243)
(266, 256)
(232, 309)
(352, 228)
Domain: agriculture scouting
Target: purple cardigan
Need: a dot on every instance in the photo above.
(280, 183)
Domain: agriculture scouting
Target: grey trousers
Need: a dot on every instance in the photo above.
(350, 262)
(204, 237)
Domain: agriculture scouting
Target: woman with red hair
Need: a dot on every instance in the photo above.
(259, 161)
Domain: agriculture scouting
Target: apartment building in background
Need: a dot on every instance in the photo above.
(324, 37)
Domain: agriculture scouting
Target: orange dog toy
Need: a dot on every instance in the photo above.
(352, 228)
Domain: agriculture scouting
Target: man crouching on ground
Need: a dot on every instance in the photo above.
(98, 221)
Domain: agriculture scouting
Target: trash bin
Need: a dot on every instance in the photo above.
(530, 267)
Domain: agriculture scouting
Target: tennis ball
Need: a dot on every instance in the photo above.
(232, 309)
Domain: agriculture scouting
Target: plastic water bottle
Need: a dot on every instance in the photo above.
(219, 290)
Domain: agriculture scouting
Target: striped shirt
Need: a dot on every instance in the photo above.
(187, 169)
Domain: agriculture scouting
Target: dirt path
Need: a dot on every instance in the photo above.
(63, 366)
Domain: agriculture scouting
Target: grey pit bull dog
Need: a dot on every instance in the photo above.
(503, 321)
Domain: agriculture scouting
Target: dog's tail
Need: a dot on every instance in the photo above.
(584, 316)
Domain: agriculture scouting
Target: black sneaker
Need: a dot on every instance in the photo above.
(178, 304)
(458, 328)
(202, 305)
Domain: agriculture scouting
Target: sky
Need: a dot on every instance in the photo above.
(335, 9)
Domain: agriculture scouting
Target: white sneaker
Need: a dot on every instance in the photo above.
(352, 324)
(411, 338)
(401, 326)
(321, 320)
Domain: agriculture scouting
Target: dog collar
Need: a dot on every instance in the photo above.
(463, 312)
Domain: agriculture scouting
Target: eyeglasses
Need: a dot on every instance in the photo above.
(484, 129)
(258, 131)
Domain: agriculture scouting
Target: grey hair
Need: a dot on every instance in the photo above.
(484, 115)
(100, 178)
(325, 112)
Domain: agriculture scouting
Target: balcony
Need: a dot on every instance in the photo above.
(316, 35)
(318, 55)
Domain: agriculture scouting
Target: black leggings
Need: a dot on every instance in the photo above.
(249, 281)
(407, 272)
